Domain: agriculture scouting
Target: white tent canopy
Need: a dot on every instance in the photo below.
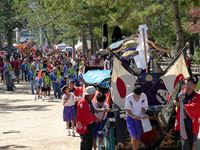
(63, 46)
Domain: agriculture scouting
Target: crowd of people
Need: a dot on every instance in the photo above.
(86, 115)
(63, 76)
(43, 72)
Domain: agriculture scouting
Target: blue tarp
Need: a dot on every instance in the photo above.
(96, 76)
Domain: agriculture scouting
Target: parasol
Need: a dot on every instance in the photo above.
(96, 76)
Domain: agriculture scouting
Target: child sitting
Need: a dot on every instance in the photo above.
(69, 109)
(100, 109)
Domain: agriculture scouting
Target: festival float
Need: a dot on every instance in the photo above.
(137, 61)
(27, 48)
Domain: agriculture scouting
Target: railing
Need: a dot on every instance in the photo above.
(196, 69)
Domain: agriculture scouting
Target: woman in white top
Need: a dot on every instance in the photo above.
(135, 106)
(69, 108)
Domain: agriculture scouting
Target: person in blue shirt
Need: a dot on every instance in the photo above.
(63, 68)
(55, 82)
(25, 68)
(63, 80)
(31, 77)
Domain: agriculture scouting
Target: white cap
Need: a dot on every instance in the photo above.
(90, 90)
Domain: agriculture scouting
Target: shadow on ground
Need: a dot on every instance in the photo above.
(197, 144)
(10, 108)
(20, 89)
(9, 147)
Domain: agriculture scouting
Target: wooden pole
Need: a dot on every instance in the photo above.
(145, 50)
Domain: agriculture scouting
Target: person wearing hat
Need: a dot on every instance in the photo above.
(68, 99)
(85, 119)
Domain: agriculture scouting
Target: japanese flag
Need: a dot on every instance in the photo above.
(122, 83)
(177, 70)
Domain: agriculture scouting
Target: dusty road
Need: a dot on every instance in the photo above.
(26, 124)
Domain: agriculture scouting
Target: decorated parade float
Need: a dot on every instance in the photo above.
(26, 48)
(139, 61)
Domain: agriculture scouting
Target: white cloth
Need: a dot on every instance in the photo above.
(140, 59)
(146, 125)
(99, 115)
(136, 106)
(70, 101)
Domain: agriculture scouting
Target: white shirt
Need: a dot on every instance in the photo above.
(70, 101)
(136, 106)
(100, 115)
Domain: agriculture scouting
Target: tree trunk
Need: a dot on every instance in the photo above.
(84, 42)
(178, 28)
(74, 50)
(1, 40)
(54, 34)
(95, 45)
(9, 39)
(91, 37)
(148, 23)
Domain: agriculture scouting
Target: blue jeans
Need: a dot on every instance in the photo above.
(32, 86)
(26, 75)
(9, 82)
(56, 90)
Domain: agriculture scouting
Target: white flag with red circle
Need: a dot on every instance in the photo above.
(122, 83)
(177, 70)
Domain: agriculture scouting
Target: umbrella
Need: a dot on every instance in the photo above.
(96, 76)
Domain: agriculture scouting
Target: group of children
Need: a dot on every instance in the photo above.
(69, 113)
(43, 79)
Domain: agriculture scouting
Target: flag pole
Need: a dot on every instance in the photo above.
(145, 50)
(165, 71)
(134, 73)
(186, 45)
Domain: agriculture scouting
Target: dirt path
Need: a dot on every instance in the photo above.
(26, 124)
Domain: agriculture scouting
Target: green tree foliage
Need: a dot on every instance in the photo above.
(10, 18)
(70, 20)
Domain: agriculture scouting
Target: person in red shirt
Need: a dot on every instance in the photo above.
(191, 114)
(85, 119)
(78, 91)
(16, 66)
